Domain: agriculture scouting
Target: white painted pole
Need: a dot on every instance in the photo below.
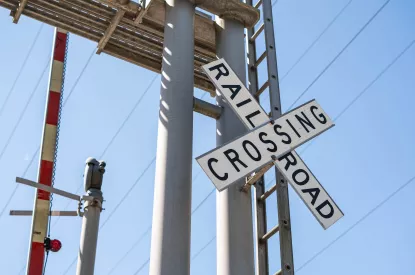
(235, 249)
(170, 242)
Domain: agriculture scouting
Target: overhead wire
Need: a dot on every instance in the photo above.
(38, 148)
(378, 76)
(152, 161)
(21, 69)
(350, 228)
(149, 228)
(114, 136)
(339, 54)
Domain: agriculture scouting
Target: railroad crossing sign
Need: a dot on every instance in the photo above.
(268, 141)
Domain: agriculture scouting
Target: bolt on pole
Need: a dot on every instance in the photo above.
(93, 176)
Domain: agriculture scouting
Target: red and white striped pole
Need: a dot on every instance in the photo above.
(47, 160)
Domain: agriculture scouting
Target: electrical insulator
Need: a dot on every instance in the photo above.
(52, 245)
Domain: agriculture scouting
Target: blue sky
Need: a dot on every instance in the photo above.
(361, 161)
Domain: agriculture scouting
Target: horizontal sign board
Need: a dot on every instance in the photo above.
(244, 155)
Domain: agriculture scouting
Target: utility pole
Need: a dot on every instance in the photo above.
(235, 249)
(38, 232)
(170, 241)
(93, 175)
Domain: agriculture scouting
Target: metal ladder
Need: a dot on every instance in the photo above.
(260, 194)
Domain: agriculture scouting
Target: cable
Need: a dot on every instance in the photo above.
(342, 112)
(119, 203)
(142, 266)
(316, 40)
(340, 53)
(366, 88)
(148, 230)
(22, 113)
(114, 136)
(21, 70)
(357, 223)
(203, 248)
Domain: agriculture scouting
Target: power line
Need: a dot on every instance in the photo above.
(21, 70)
(22, 113)
(114, 136)
(357, 223)
(203, 248)
(316, 40)
(119, 203)
(366, 88)
(339, 54)
(149, 228)
(38, 148)
(359, 95)
(138, 241)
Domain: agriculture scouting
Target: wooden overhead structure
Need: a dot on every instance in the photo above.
(130, 31)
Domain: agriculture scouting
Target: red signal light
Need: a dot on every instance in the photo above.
(55, 245)
(52, 245)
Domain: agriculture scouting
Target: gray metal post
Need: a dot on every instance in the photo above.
(235, 250)
(90, 222)
(170, 241)
(284, 220)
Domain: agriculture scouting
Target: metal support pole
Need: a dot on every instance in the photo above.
(91, 215)
(170, 242)
(286, 247)
(235, 251)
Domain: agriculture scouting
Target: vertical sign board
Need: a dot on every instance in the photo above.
(275, 138)
(47, 156)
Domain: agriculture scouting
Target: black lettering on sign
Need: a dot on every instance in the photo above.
(304, 121)
(321, 206)
(243, 102)
(244, 145)
(234, 159)
(267, 141)
(218, 67)
(276, 127)
(322, 120)
(293, 160)
(234, 89)
(295, 178)
(222, 178)
(248, 117)
(313, 192)
(292, 127)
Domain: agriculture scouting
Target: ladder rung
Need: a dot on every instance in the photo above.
(260, 59)
(257, 176)
(270, 233)
(268, 193)
(262, 89)
(279, 272)
(258, 4)
(257, 33)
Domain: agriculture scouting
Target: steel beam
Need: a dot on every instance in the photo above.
(206, 108)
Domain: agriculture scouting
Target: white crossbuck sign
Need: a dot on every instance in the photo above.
(268, 141)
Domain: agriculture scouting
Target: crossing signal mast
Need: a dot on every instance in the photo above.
(172, 38)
